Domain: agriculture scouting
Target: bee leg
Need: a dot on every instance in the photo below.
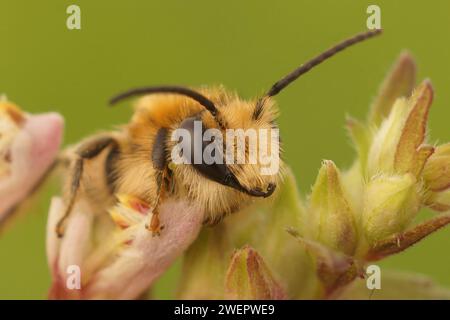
(86, 151)
(154, 225)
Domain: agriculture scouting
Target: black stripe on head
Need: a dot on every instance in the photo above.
(159, 150)
(110, 168)
(259, 108)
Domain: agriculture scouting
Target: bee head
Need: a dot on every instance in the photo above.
(240, 155)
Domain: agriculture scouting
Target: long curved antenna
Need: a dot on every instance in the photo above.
(291, 77)
(208, 104)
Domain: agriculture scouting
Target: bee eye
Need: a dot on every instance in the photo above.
(215, 171)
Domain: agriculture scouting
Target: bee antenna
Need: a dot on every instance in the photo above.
(208, 104)
(304, 68)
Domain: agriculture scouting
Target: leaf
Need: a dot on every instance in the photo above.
(422, 155)
(397, 285)
(399, 242)
(413, 135)
(204, 265)
(398, 83)
(334, 269)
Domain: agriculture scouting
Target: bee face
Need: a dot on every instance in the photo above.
(219, 163)
(231, 157)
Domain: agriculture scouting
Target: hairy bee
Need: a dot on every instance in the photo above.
(138, 159)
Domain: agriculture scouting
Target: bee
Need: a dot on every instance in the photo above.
(138, 160)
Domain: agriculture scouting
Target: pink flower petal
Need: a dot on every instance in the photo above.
(138, 265)
(52, 241)
(71, 249)
(32, 152)
(109, 267)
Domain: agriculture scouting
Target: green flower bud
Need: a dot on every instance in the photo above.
(397, 146)
(385, 142)
(331, 218)
(436, 176)
(390, 203)
(438, 201)
(398, 83)
(411, 155)
(248, 277)
(437, 169)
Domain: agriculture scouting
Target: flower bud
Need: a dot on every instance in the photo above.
(248, 277)
(411, 154)
(390, 203)
(397, 146)
(436, 176)
(437, 169)
(331, 217)
(438, 201)
(28, 148)
(398, 83)
(384, 145)
(121, 263)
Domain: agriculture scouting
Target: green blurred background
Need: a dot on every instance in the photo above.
(246, 45)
